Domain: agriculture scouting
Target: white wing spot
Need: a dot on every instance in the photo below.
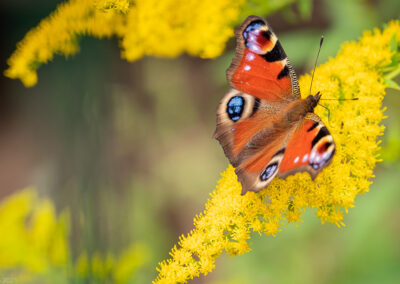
(255, 48)
(247, 67)
(296, 160)
(250, 56)
(305, 158)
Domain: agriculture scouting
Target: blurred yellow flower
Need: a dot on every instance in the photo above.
(34, 247)
(229, 218)
(129, 261)
(31, 234)
(82, 265)
(110, 268)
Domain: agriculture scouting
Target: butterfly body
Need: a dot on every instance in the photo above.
(263, 125)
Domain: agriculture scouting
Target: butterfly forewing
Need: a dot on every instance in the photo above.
(260, 66)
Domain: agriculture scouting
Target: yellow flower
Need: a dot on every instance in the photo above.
(116, 5)
(57, 34)
(82, 265)
(110, 268)
(226, 223)
(31, 234)
(129, 261)
(34, 242)
(145, 27)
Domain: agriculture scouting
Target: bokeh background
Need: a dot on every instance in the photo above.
(126, 149)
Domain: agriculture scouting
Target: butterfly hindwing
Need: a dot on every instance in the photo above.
(259, 170)
(305, 146)
(310, 148)
(261, 67)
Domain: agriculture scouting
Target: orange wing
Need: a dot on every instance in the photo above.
(240, 117)
(261, 67)
(306, 146)
(310, 148)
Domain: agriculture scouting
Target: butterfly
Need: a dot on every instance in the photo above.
(263, 125)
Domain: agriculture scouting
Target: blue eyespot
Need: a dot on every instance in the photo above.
(235, 108)
(255, 25)
(268, 172)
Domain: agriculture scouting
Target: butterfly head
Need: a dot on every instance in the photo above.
(312, 101)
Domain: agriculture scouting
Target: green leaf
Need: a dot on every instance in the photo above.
(392, 84)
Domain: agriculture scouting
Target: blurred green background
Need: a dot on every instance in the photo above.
(127, 148)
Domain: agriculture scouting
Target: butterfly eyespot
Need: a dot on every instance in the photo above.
(258, 37)
(324, 147)
(235, 108)
(320, 160)
(253, 26)
(322, 153)
(269, 171)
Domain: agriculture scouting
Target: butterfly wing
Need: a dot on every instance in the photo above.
(304, 146)
(261, 67)
(310, 148)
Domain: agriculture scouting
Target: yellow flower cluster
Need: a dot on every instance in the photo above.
(145, 27)
(112, 269)
(31, 234)
(229, 218)
(109, 5)
(168, 28)
(34, 247)
(57, 34)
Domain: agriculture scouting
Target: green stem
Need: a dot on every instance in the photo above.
(393, 74)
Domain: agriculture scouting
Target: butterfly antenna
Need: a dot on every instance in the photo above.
(316, 60)
(354, 99)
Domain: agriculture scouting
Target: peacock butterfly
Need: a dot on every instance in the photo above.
(263, 125)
